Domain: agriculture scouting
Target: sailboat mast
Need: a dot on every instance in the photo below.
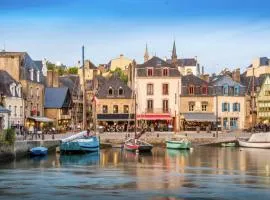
(253, 100)
(83, 88)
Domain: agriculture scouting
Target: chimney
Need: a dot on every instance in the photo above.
(55, 79)
(49, 78)
(236, 75)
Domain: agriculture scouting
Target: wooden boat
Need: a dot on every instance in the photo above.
(137, 145)
(38, 151)
(229, 144)
(263, 145)
(80, 145)
(178, 144)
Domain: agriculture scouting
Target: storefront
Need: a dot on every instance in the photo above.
(157, 122)
(198, 121)
(38, 122)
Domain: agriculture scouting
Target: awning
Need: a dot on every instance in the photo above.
(200, 117)
(154, 117)
(41, 119)
(115, 117)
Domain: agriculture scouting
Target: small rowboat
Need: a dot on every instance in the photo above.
(178, 144)
(137, 145)
(38, 151)
(230, 144)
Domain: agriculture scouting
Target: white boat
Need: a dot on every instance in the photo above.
(257, 140)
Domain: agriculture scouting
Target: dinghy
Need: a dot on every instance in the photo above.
(178, 144)
(137, 145)
(38, 151)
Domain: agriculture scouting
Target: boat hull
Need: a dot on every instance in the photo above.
(178, 145)
(231, 144)
(140, 146)
(262, 145)
(80, 146)
(38, 151)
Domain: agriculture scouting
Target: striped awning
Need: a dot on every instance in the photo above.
(164, 116)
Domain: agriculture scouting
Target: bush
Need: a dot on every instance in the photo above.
(10, 136)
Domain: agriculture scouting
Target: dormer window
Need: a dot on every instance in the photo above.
(191, 90)
(225, 89)
(13, 89)
(110, 91)
(150, 72)
(204, 90)
(165, 72)
(236, 90)
(31, 74)
(120, 91)
(38, 76)
(19, 90)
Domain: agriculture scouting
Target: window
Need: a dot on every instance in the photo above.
(9, 107)
(225, 122)
(191, 90)
(21, 111)
(267, 92)
(191, 106)
(115, 109)
(165, 106)
(233, 123)
(165, 89)
(204, 106)
(236, 107)
(225, 107)
(37, 92)
(120, 92)
(65, 111)
(110, 91)
(204, 90)
(149, 72)
(150, 89)
(236, 90)
(225, 90)
(165, 72)
(15, 111)
(31, 91)
(150, 105)
(19, 91)
(38, 76)
(31, 74)
(104, 109)
(126, 109)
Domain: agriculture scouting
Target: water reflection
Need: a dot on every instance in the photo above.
(204, 173)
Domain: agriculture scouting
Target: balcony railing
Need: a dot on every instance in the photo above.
(157, 110)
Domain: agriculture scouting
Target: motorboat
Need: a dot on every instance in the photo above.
(39, 151)
(257, 140)
(178, 144)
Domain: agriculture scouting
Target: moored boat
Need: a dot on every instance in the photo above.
(38, 151)
(81, 145)
(178, 144)
(137, 145)
(229, 144)
(257, 140)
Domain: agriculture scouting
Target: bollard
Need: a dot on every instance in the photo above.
(53, 136)
(157, 134)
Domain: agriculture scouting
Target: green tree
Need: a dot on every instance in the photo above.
(72, 70)
(121, 74)
(50, 66)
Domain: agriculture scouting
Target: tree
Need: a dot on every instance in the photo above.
(50, 66)
(120, 74)
(72, 70)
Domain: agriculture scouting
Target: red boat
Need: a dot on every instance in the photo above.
(137, 145)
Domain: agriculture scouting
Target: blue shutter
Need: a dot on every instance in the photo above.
(228, 107)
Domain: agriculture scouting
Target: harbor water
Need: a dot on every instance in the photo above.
(201, 173)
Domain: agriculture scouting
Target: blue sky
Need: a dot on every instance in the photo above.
(220, 33)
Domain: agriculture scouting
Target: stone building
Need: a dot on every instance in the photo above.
(11, 93)
(197, 104)
(157, 87)
(120, 62)
(114, 103)
(259, 67)
(24, 70)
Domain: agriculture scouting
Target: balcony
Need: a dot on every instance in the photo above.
(157, 110)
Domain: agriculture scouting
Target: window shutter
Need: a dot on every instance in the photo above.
(228, 107)
(222, 107)
(239, 107)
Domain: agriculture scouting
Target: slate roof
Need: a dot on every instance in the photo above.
(197, 82)
(184, 62)
(5, 82)
(247, 82)
(114, 82)
(158, 64)
(57, 98)
(72, 82)
(39, 64)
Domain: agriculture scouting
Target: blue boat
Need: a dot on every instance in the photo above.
(38, 151)
(81, 145)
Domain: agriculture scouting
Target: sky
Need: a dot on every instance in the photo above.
(229, 33)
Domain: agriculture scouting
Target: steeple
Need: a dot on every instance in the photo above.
(174, 56)
(146, 55)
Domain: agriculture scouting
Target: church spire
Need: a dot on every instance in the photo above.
(174, 56)
(146, 55)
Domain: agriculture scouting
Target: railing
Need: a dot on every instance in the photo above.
(157, 110)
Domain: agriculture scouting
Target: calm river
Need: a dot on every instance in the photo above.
(201, 173)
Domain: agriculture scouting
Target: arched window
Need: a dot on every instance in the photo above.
(110, 91)
(120, 91)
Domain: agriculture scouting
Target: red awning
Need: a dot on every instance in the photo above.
(154, 117)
